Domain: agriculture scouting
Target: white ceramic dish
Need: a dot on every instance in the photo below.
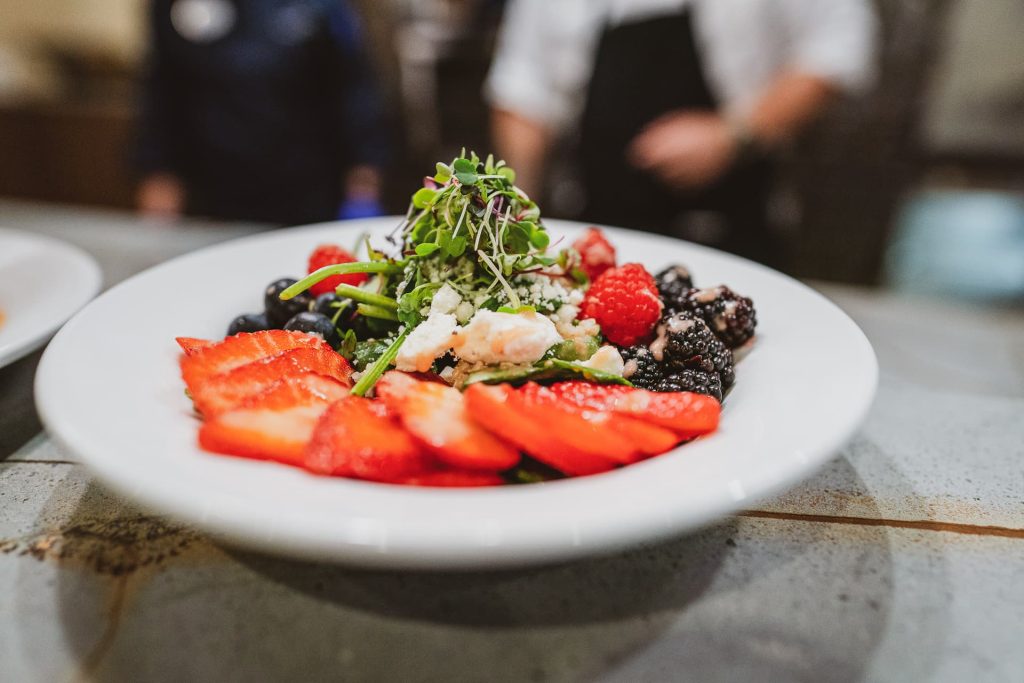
(108, 388)
(43, 281)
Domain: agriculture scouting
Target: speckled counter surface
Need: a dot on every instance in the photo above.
(899, 561)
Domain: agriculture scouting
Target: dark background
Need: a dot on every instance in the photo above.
(947, 112)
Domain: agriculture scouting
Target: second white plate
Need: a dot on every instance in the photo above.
(43, 281)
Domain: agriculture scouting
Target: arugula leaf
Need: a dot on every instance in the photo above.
(365, 352)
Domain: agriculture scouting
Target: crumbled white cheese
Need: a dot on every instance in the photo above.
(492, 337)
(464, 312)
(569, 327)
(428, 340)
(445, 300)
(545, 292)
(606, 359)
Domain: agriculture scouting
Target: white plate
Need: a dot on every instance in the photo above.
(43, 281)
(108, 389)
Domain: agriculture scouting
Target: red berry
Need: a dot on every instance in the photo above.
(596, 253)
(328, 255)
(624, 301)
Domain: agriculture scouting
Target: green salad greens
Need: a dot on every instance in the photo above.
(472, 229)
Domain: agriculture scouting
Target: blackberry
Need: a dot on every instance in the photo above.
(684, 356)
(641, 369)
(730, 316)
(673, 284)
(683, 341)
(723, 362)
(697, 381)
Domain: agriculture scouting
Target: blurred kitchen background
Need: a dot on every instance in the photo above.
(918, 183)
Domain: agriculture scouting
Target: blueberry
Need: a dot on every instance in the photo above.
(314, 323)
(328, 304)
(249, 322)
(279, 312)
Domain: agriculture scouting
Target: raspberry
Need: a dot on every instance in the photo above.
(624, 302)
(596, 253)
(328, 255)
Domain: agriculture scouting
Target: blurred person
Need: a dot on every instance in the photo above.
(678, 105)
(260, 110)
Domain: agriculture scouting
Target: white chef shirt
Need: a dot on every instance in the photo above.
(546, 48)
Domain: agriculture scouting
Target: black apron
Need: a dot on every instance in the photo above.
(644, 70)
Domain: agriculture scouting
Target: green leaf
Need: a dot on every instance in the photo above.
(540, 239)
(508, 174)
(590, 374)
(467, 178)
(579, 276)
(409, 309)
(463, 165)
(456, 247)
(426, 249)
(424, 197)
(581, 348)
(443, 174)
(546, 370)
(517, 240)
(373, 372)
(347, 347)
(521, 309)
(365, 352)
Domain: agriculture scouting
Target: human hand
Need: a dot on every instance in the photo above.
(685, 150)
(161, 195)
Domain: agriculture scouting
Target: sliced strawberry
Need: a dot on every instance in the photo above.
(436, 415)
(192, 344)
(274, 424)
(647, 438)
(495, 408)
(685, 413)
(224, 391)
(240, 349)
(454, 478)
(593, 431)
(357, 438)
(306, 388)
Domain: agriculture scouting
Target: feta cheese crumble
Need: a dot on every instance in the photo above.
(446, 300)
(428, 340)
(606, 359)
(492, 337)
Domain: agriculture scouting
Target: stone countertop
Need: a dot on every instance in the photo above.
(899, 560)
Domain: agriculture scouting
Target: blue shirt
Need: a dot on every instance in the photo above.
(262, 119)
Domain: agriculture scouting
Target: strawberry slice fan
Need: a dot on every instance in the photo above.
(284, 396)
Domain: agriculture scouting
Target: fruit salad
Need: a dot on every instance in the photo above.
(467, 350)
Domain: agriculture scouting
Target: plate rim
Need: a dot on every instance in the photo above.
(230, 530)
(89, 286)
